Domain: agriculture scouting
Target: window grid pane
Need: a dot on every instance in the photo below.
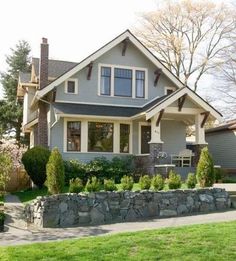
(123, 82)
(73, 136)
(100, 137)
(140, 84)
(124, 138)
(71, 87)
(105, 83)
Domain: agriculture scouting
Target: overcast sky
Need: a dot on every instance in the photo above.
(74, 28)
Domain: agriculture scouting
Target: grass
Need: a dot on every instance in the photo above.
(29, 195)
(197, 242)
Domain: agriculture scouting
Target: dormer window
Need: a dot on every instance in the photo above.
(122, 81)
(71, 86)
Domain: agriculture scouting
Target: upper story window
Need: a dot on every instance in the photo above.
(71, 86)
(123, 81)
(105, 81)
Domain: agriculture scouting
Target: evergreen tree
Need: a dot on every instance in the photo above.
(11, 111)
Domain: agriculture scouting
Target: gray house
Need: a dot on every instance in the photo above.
(222, 145)
(121, 100)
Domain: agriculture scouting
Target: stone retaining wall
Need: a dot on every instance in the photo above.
(67, 210)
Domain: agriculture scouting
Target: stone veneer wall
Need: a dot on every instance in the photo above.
(67, 210)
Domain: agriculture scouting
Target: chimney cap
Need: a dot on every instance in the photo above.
(44, 40)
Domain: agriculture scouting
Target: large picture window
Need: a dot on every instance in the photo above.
(124, 138)
(100, 137)
(123, 82)
(105, 81)
(73, 136)
(140, 84)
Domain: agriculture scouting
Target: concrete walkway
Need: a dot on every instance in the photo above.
(18, 233)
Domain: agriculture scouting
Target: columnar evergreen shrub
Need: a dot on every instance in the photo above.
(205, 169)
(93, 185)
(174, 180)
(109, 185)
(55, 172)
(145, 182)
(191, 180)
(158, 182)
(127, 183)
(35, 161)
(76, 185)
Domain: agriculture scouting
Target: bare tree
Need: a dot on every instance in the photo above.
(188, 36)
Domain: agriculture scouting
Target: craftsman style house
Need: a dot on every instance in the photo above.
(120, 100)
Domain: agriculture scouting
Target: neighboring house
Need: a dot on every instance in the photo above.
(121, 100)
(222, 144)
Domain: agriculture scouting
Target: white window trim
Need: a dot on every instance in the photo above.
(169, 88)
(76, 85)
(139, 135)
(134, 69)
(84, 135)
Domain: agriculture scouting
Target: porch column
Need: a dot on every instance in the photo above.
(200, 137)
(155, 143)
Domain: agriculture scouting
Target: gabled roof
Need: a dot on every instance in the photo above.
(230, 125)
(178, 94)
(55, 67)
(125, 35)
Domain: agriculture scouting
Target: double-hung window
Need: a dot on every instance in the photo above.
(105, 81)
(140, 84)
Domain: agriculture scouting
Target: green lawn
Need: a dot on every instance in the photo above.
(198, 242)
(29, 195)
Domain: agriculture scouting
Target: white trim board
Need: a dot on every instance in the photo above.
(100, 52)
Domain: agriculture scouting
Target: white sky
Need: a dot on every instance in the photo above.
(74, 28)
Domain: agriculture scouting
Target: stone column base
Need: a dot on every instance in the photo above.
(155, 148)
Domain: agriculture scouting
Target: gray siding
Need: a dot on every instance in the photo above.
(88, 89)
(222, 146)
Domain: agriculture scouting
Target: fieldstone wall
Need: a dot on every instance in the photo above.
(66, 210)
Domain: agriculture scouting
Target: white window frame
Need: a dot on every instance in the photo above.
(139, 136)
(113, 66)
(169, 88)
(76, 85)
(84, 135)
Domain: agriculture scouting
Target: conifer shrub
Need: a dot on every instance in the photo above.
(174, 180)
(191, 180)
(93, 185)
(158, 182)
(127, 183)
(145, 182)
(109, 185)
(205, 169)
(35, 161)
(55, 172)
(76, 185)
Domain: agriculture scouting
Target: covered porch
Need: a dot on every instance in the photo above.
(163, 143)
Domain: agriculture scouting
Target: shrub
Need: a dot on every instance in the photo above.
(109, 185)
(6, 166)
(75, 169)
(2, 217)
(93, 185)
(127, 183)
(76, 185)
(35, 161)
(145, 182)
(55, 172)
(219, 174)
(191, 180)
(205, 170)
(174, 180)
(158, 182)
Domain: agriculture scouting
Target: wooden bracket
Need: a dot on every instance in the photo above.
(90, 67)
(206, 115)
(181, 101)
(159, 117)
(125, 44)
(158, 74)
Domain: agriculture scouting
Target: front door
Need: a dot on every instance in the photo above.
(145, 138)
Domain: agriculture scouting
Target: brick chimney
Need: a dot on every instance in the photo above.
(43, 106)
